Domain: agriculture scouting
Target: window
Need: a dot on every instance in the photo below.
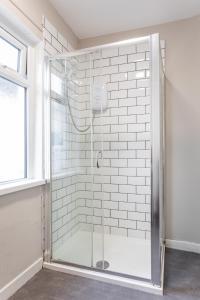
(13, 112)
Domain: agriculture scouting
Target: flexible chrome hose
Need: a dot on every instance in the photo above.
(80, 130)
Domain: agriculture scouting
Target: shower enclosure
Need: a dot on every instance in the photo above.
(105, 211)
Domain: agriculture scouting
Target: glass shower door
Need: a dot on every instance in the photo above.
(71, 159)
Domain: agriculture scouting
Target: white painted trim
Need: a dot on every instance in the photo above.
(9, 289)
(183, 245)
(108, 278)
(20, 185)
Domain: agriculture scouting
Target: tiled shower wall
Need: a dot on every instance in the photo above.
(122, 183)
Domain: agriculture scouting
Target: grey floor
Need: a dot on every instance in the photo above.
(182, 281)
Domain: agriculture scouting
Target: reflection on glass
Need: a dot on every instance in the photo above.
(9, 55)
(12, 131)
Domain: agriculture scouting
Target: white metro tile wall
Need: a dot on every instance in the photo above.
(123, 189)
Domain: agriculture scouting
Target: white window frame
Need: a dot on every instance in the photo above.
(28, 77)
(8, 37)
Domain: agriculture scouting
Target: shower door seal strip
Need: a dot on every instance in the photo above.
(156, 182)
(105, 277)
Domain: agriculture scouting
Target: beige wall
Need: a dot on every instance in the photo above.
(31, 12)
(20, 232)
(182, 122)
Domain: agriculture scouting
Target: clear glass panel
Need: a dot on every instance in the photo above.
(9, 55)
(72, 210)
(12, 131)
(102, 205)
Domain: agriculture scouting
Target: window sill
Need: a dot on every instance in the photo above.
(20, 185)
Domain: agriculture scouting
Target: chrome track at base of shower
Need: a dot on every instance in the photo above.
(137, 284)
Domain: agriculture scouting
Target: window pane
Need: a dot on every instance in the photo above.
(9, 55)
(12, 131)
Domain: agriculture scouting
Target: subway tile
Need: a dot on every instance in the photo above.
(136, 75)
(130, 67)
(110, 188)
(118, 163)
(127, 49)
(127, 119)
(127, 188)
(99, 63)
(142, 47)
(136, 163)
(119, 214)
(112, 86)
(127, 206)
(127, 154)
(51, 28)
(119, 77)
(136, 180)
(109, 70)
(142, 65)
(129, 84)
(110, 204)
(143, 83)
(118, 94)
(130, 136)
(119, 111)
(143, 153)
(143, 225)
(136, 145)
(138, 57)
(119, 60)
(139, 92)
(118, 179)
(143, 171)
(145, 190)
(127, 224)
(143, 136)
(127, 102)
(118, 145)
(137, 216)
(145, 208)
(136, 127)
(127, 171)
(119, 128)
(62, 41)
(118, 197)
(109, 52)
(111, 222)
(137, 198)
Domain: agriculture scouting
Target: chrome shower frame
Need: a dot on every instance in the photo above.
(154, 285)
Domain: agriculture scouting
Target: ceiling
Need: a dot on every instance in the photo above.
(90, 18)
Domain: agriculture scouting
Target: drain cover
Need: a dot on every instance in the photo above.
(102, 264)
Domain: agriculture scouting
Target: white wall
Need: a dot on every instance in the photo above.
(20, 232)
(182, 122)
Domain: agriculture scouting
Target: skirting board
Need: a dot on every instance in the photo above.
(182, 245)
(9, 289)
